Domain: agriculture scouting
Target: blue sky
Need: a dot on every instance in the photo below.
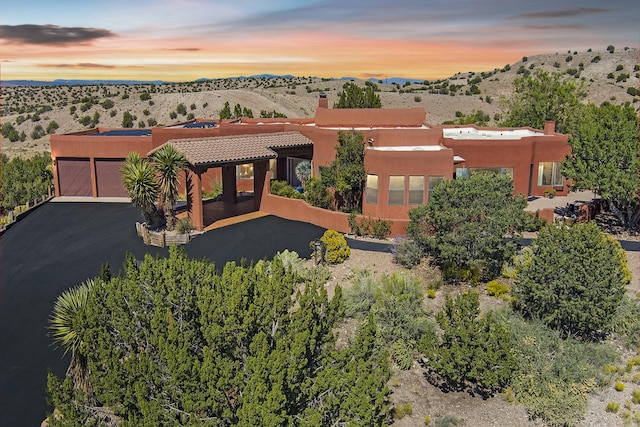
(180, 40)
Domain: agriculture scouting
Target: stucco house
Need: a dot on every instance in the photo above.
(405, 157)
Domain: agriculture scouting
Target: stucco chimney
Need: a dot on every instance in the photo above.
(549, 127)
(323, 102)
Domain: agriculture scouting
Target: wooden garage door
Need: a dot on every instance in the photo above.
(74, 176)
(109, 178)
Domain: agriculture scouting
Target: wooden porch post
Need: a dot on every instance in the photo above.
(194, 197)
(229, 187)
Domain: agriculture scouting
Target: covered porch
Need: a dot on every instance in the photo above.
(227, 153)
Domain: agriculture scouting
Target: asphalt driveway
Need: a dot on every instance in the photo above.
(60, 245)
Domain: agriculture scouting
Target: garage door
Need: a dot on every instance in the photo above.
(109, 178)
(74, 177)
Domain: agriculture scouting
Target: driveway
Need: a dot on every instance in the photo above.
(60, 245)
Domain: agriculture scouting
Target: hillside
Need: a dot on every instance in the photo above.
(27, 107)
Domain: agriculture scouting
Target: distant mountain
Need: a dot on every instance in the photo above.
(62, 82)
(398, 80)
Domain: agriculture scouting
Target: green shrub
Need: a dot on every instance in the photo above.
(633, 91)
(336, 248)
(554, 376)
(456, 274)
(283, 189)
(402, 354)
(575, 281)
(431, 293)
(401, 410)
(427, 420)
(497, 289)
(509, 271)
(407, 252)
(184, 226)
(619, 386)
(612, 407)
(381, 228)
(291, 262)
(317, 194)
(447, 421)
(472, 349)
(635, 397)
(361, 295)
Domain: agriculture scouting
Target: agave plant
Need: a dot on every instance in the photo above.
(65, 325)
(168, 163)
(140, 182)
(303, 172)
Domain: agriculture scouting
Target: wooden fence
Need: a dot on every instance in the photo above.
(161, 238)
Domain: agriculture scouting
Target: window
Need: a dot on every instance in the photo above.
(396, 190)
(416, 189)
(466, 172)
(549, 174)
(244, 171)
(273, 168)
(433, 183)
(372, 189)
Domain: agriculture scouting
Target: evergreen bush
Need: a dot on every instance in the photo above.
(407, 252)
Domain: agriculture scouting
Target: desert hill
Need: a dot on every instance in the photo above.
(33, 111)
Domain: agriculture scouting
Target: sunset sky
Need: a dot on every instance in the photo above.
(182, 40)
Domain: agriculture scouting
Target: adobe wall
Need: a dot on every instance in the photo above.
(299, 210)
(403, 163)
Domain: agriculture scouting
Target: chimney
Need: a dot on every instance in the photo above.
(323, 102)
(549, 127)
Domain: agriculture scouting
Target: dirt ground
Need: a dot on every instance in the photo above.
(427, 400)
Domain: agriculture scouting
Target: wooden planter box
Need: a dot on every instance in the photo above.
(161, 238)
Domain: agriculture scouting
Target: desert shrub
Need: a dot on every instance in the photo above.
(612, 407)
(635, 397)
(447, 421)
(184, 226)
(336, 249)
(181, 109)
(152, 122)
(618, 386)
(554, 376)
(417, 98)
(107, 104)
(626, 322)
(37, 132)
(401, 410)
(381, 228)
(575, 282)
(471, 350)
(431, 293)
(633, 91)
(497, 289)
(145, 96)
(407, 252)
(291, 262)
(509, 271)
(84, 120)
(361, 296)
(456, 274)
(611, 48)
(283, 189)
(52, 127)
(402, 354)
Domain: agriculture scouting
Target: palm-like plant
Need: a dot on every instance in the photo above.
(65, 325)
(303, 172)
(168, 163)
(139, 180)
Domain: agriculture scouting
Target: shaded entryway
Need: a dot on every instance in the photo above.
(228, 152)
(61, 244)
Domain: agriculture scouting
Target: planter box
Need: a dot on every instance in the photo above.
(161, 238)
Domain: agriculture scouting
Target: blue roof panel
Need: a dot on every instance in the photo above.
(124, 132)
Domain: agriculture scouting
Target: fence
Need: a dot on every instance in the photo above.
(21, 211)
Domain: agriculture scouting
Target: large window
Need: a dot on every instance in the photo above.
(372, 189)
(549, 174)
(416, 189)
(396, 190)
(433, 182)
(244, 171)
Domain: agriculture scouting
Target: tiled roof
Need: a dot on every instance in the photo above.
(236, 148)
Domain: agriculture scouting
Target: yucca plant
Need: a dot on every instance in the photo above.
(65, 325)
(168, 163)
(139, 179)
